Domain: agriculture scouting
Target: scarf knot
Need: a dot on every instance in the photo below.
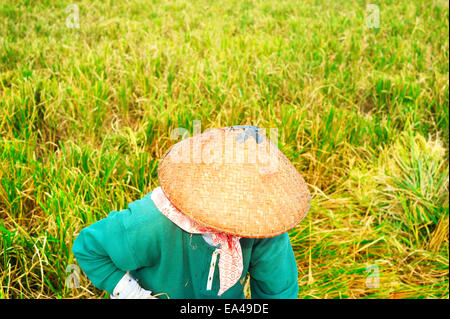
(230, 262)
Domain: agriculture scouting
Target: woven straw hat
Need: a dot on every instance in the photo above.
(234, 180)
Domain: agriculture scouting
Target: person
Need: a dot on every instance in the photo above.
(217, 216)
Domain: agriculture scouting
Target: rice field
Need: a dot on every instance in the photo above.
(90, 92)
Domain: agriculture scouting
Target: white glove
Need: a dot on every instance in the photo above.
(128, 288)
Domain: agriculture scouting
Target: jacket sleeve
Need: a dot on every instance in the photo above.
(107, 249)
(273, 269)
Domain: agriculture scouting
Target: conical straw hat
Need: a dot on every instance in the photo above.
(234, 180)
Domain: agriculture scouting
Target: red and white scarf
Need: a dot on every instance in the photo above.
(230, 262)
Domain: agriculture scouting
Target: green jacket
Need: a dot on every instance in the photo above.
(166, 259)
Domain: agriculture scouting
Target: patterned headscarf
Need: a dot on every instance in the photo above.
(230, 262)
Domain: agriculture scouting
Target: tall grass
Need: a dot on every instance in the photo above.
(86, 113)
